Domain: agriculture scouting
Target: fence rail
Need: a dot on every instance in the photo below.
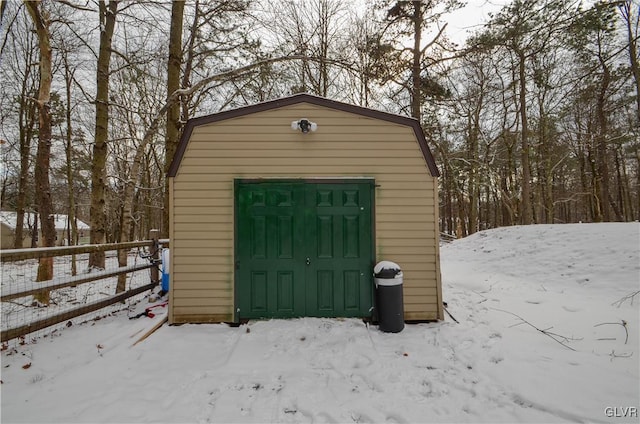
(34, 322)
(12, 255)
(58, 283)
(25, 329)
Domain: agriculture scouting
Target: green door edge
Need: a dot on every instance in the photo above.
(358, 180)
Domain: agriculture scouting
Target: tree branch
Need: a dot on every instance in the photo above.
(234, 73)
(623, 324)
(435, 40)
(630, 297)
(555, 337)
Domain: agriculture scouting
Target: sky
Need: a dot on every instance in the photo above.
(545, 331)
(464, 21)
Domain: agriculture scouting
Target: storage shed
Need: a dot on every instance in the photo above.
(281, 209)
(8, 220)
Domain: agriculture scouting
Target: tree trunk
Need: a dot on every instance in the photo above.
(324, 42)
(632, 35)
(588, 206)
(34, 231)
(43, 189)
(638, 181)
(133, 181)
(509, 207)
(596, 213)
(73, 224)
(416, 101)
(108, 12)
(26, 120)
(602, 151)
(627, 10)
(3, 9)
(474, 160)
(619, 204)
(545, 173)
(626, 190)
(189, 61)
(448, 215)
(526, 214)
(173, 113)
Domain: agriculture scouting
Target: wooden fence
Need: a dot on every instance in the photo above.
(14, 255)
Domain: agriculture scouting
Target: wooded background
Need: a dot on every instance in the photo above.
(535, 118)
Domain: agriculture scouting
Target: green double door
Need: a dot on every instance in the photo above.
(303, 248)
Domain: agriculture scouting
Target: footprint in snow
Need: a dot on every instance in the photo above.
(359, 417)
(496, 359)
(298, 415)
(396, 419)
(213, 397)
(465, 344)
(493, 338)
(324, 417)
(570, 309)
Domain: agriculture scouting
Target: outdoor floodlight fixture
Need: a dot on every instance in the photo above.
(304, 125)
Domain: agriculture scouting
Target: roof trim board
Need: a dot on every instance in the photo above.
(302, 98)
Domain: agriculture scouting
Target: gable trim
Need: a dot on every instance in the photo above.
(302, 98)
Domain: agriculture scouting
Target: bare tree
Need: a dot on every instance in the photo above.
(71, 206)
(19, 79)
(594, 45)
(173, 127)
(108, 11)
(525, 29)
(43, 190)
(631, 20)
(318, 29)
(26, 121)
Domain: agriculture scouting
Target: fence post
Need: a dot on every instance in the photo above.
(155, 255)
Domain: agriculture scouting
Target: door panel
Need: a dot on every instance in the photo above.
(303, 249)
(351, 236)
(325, 290)
(285, 237)
(285, 292)
(259, 291)
(339, 273)
(351, 290)
(258, 238)
(269, 267)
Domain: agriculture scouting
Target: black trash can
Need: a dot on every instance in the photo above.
(388, 279)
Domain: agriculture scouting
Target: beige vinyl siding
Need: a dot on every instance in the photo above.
(262, 145)
(172, 252)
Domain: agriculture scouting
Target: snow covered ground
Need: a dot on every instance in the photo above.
(545, 334)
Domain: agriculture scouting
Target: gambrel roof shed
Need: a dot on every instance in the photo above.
(269, 221)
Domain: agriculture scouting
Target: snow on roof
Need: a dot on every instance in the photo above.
(9, 218)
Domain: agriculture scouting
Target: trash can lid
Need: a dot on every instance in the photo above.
(386, 269)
